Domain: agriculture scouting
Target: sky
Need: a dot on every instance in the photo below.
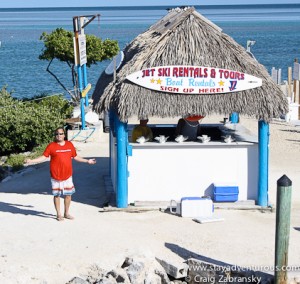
(103, 3)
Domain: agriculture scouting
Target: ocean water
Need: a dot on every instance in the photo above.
(275, 28)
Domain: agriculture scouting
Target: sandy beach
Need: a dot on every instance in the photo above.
(36, 248)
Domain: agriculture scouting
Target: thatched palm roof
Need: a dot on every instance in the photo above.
(185, 37)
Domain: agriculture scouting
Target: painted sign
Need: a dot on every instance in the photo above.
(193, 80)
(80, 54)
(82, 49)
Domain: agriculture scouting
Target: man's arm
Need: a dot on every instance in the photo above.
(36, 160)
(83, 160)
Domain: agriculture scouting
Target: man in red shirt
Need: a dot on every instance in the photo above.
(61, 153)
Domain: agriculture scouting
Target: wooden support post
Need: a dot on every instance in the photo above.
(296, 91)
(283, 214)
(297, 94)
(296, 82)
(274, 75)
(279, 76)
(290, 93)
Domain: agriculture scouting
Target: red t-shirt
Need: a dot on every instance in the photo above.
(61, 159)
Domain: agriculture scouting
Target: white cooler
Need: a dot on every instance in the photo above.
(194, 207)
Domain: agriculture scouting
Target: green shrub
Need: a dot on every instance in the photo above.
(15, 161)
(27, 124)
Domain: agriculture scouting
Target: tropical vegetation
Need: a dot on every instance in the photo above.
(25, 124)
(59, 45)
(28, 124)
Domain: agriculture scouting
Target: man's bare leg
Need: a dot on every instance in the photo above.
(56, 200)
(67, 206)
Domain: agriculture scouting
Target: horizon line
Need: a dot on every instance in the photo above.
(144, 6)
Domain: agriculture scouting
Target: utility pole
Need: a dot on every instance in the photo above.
(80, 58)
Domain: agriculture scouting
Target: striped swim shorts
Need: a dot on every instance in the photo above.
(62, 187)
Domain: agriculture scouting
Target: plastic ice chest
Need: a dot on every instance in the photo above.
(225, 193)
(196, 207)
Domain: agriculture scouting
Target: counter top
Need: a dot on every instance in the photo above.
(240, 134)
(173, 144)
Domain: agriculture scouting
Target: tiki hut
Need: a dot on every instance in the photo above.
(185, 37)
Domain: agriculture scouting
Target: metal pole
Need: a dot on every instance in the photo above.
(85, 83)
(263, 167)
(283, 215)
(81, 99)
(76, 27)
(80, 61)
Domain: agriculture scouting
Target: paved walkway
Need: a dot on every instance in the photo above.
(36, 248)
